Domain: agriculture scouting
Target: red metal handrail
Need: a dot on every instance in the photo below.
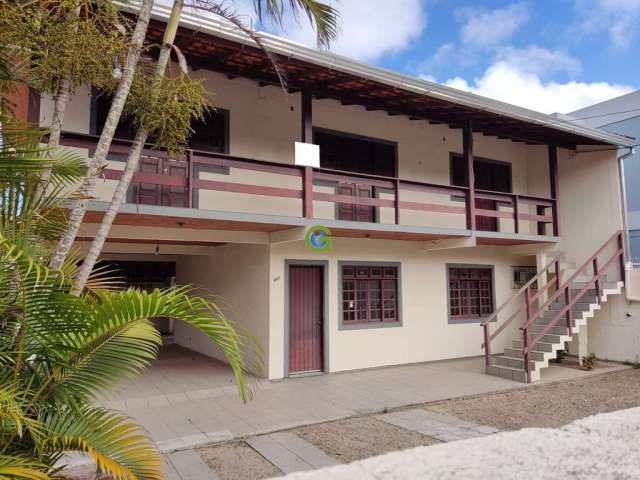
(565, 289)
(523, 291)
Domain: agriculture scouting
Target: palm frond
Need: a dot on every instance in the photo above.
(112, 440)
(21, 467)
(323, 17)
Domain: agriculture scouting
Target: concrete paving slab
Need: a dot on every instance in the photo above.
(290, 453)
(308, 452)
(441, 427)
(184, 394)
(278, 455)
(188, 465)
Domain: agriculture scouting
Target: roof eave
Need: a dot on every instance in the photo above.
(335, 61)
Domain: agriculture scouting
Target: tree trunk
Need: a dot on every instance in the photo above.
(133, 158)
(61, 100)
(98, 160)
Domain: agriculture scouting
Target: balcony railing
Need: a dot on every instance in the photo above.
(215, 181)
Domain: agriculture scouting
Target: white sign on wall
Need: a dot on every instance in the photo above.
(307, 154)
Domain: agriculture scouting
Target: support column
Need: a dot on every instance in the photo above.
(467, 150)
(553, 183)
(307, 117)
(306, 109)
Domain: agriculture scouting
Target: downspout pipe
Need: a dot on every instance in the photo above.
(625, 226)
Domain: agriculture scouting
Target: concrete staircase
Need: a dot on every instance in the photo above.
(511, 363)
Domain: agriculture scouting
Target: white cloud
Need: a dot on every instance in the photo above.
(508, 83)
(369, 29)
(484, 29)
(618, 18)
(538, 60)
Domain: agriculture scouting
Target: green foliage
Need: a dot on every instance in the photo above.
(322, 16)
(28, 218)
(166, 107)
(78, 40)
(590, 362)
(59, 351)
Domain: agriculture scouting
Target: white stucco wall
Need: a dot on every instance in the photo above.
(425, 334)
(237, 278)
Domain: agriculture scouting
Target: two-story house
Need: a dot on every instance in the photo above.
(441, 205)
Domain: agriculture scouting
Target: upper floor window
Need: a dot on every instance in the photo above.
(369, 294)
(210, 134)
(492, 175)
(355, 153)
(470, 293)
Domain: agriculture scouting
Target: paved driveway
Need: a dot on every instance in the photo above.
(186, 399)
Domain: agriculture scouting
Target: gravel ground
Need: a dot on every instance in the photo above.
(237, 461)
(549, 405)
(359, 438)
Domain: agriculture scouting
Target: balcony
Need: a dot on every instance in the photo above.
(218, 191)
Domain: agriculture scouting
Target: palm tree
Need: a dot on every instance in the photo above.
(322, 16)
(59, 351)
(106, 136)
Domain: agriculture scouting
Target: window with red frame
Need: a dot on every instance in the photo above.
(470, 293)
(369, 294)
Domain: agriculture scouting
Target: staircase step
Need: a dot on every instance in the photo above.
(581, 306)
(512, 362)
(559, 329)
(517, 353)
(548, 338)
(517, 374)
(540, 346)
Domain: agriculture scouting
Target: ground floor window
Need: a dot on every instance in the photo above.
(470, 292)
(369, 294)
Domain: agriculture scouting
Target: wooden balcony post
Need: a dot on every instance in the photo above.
(306, 116)
(306, 112)
(553, 181)
(397, 201)
(189, 155)
(467, 150)
(516, 227)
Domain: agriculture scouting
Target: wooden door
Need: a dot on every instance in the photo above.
(353, 212)
(306, 318)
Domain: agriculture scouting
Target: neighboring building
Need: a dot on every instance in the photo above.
(441, 203)
(621, 115)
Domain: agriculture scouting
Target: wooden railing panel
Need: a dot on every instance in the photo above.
(397, 201)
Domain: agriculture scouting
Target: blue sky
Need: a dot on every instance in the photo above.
(548, 55)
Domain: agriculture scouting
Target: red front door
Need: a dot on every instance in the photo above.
(306, 318)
